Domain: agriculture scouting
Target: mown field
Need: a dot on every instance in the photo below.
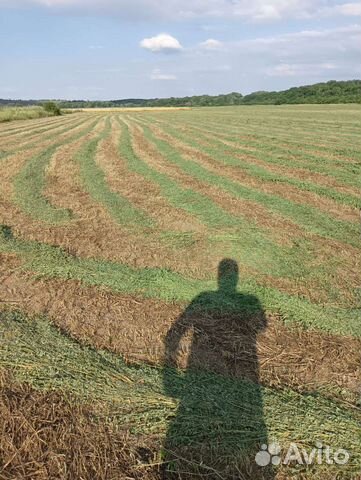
(121, 356)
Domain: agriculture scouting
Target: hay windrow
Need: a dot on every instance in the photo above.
(200, 300)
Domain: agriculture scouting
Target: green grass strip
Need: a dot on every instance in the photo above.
(258, 250)
(49, 261)
(227, 416)
(237, 237)
(29, 184)
(308, 217)
(222, 154)
(95, 183)
(343, 170)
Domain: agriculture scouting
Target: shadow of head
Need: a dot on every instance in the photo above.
(228, 275)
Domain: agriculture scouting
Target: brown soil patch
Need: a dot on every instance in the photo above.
(137, 328)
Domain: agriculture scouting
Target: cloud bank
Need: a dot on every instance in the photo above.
(256, 10)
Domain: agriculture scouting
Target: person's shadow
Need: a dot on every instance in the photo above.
(211, 367)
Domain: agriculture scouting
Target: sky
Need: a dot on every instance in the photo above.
(113, 49)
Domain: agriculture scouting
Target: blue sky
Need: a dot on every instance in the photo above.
(110, 49)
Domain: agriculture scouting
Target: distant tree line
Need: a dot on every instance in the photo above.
(329, 92)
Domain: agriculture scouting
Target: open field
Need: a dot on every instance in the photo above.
(118, 343)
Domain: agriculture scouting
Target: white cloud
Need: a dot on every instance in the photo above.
(158, 75)
(211, 44)
(161, 43)
(256, 10)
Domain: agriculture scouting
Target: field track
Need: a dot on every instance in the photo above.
(112, 222)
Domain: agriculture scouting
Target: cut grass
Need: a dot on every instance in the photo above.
(94, 181)
(310, 218)
(222, 154)
(241, 238)
(30, 183)
(267, 148)
(49, 261)
(221, 418)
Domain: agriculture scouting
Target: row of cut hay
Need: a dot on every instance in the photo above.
(33, 142)
(269, 138)
(93, 232)
(95, 183)
(310, 218)
(137, 328)
(29, 183)
(274, 256)
(34, 134)
(216, 154)
(267, 121)
(49, 261)
(271, 142)
(338, 168)
(256, 250)
(16, 129)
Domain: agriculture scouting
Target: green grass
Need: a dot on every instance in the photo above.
(8, 114)
(221, 416)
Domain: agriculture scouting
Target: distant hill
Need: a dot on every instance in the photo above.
(329, 92)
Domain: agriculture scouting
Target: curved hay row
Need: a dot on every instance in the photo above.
(308, 217)
(262, 179)
(40, 140)
(10, 165)
(36, 133)
(281, 262)
(268, 126)
(136, 328)
(23, 125)
(93, 232)
(275, 158)
(273, 155)
(252, 139)
(116, 157)
(277, 228)
(29, 183)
